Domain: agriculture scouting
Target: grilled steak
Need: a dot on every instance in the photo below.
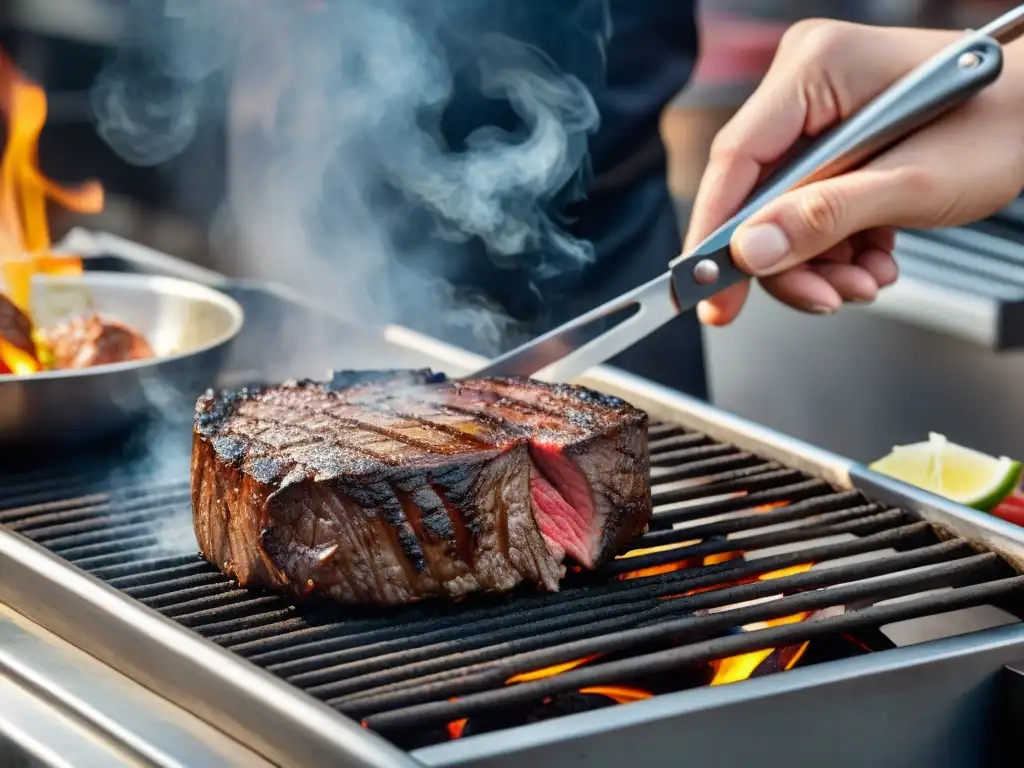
(387, 487)
(88, 341)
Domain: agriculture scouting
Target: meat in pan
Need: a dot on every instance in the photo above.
(88, 341)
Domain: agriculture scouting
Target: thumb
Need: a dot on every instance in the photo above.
(807, 222)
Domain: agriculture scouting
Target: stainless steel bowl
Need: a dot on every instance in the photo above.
(189, 326)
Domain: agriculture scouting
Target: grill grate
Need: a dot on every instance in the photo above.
(725, 521)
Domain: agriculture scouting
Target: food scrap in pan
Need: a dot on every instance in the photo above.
(88, 341)
(79, 343)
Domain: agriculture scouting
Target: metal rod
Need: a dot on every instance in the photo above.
(524, 693)
(148, 568)
(795, 492)
(715, 469)
(819, 522)
(329, 636)
(804, 507)
(461, 653)
(767, 477)
(680, 632)
(662, 445)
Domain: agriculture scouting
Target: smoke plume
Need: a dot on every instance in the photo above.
(342, 182)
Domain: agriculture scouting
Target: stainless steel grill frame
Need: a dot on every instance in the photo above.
(289, 728)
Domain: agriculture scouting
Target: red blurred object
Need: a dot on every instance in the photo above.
(1011, 509)
(735, 49)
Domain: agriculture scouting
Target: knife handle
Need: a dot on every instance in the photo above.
(938, 85)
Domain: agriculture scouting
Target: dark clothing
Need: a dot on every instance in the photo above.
(629, 214)
(634, 56)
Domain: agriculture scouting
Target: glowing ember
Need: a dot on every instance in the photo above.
(456, 727)
(24, 192)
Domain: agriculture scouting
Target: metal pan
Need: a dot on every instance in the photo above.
(189, 326)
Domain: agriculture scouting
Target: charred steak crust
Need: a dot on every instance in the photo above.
(391, 486)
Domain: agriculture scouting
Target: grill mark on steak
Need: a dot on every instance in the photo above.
(522, 405)
(457, 530)
(448, 429)
(407, 486)
(314, 439)
(388, 432)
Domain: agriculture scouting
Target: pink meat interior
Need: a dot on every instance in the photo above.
(562, 505)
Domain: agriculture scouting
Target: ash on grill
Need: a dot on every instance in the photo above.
(750, 568)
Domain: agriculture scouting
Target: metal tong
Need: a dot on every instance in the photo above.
(941, 83)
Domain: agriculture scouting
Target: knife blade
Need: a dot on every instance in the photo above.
(944, 81)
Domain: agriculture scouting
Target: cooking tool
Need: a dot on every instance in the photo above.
(946, 80)
(87, 550)
(188, 325)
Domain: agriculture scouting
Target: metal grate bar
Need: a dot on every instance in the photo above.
(81, 520)
(149, 569)
(461, 654)
(476, 678)
(744, 463)
(657, 446)
(658, 430)
(61, 496)
(701, 652)
(293, 643)
(671, 462)
(745, 481)
(718, 509)
(836, 524)
(323, 653)
(786, 514)
(786, 493)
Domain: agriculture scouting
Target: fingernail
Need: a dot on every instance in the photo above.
(821, 309)
(761, 247)
(704, 312)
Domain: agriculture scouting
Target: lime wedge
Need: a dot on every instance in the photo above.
(946, 469)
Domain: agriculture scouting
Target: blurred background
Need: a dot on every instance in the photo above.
(940, 353)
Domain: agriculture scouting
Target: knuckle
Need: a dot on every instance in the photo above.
(798, 31)
(818, 38)
(822, 211)
(724, 147)
(918, 183)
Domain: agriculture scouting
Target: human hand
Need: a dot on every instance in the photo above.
(832, 241)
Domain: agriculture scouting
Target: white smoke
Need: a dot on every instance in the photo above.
(324, 101)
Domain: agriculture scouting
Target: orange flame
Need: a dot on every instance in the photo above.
(692, 562)
(620, 694)
(557, 669)
(24, 192)
(725, 670)
(657, 570)
(736, 668)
